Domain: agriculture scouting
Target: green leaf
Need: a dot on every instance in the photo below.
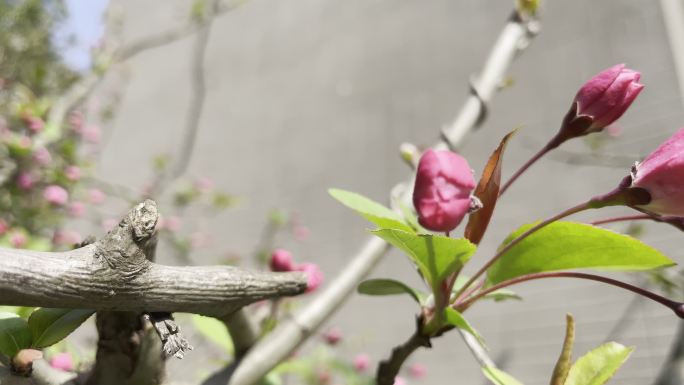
(560, 371)
(14, 334)
(599, 365)
(502, 295)
(570, 245)
(456, 319)
(499, 377)
(49, 326)
(215, 331)
(389, 287)
(436, 256)
(374, 212)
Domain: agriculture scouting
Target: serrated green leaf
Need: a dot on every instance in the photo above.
(389, 287)
(436, 256)
(49, 326)
(214, 331)
(599, 365)
(374, 212)
(570, 245)
(454, 318)
(499, 377)
(560, 371)
(14, 334)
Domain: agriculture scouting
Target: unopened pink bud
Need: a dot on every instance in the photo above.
(417, 371)
(314, 275)
(18, 239)
(56, 195)
(96, 196)
(42, 156)
(332, 336)
(281, 260)
(442, 193)
(361, 362)
(35, 124)
(73, 173)
(600, 102)
(62, 361)
(661, 174)
(76, 209)
(25, 181)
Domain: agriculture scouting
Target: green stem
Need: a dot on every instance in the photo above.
(673, 305)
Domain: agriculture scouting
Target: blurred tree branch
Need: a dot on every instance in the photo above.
(277, 346)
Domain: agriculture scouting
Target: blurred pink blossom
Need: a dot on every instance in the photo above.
(332, 336)
(35, 124)
(66, 237)
(73, 173)
(25, 180)
(76, 209)
(76, 121)
(109, 223)
(301, 232)
(204, 184)
(417, 370)
(281, 260)
(91, 134)
(18, 239)
(199, 239)
(614, 130)
(56, 195)
(361, 362)
(171, 223)
(24, 142)
(3, 226)
(96, 196)
(314, 275)
(399, 381)
(62, 361)
(42, 156)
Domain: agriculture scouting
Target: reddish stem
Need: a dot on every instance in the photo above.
(525, 166)
(677, 307)
(621, 219)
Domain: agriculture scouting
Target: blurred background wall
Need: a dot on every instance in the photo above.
(304, 95)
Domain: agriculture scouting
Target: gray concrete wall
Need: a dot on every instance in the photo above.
(304, 95)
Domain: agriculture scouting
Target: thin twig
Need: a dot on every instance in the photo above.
(275, 347)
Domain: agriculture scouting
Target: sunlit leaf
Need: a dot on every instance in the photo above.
(570, 245)
(374, 212)
(499, 377)
(214, 331)
(599, 365)
(454, 318)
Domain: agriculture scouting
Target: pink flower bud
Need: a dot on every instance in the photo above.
(442, 193)
(314, 275)
(25, 181)
(62, 361)
(661, 174)
(361, 362)
(76, 209)
(42, 156)
(281, 260)
(399, 381)
(34, 123)
(73, 173)
(600, 102)
(417, 371)
(18, 239)
(96, 196)
(56, 195)
(332, 336)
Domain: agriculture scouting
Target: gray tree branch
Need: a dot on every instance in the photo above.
(113, 274)
(277, 346)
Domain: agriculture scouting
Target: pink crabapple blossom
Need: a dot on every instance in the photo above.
(56, 195)
(361, 362)
(96, 196)
(332, 336)
(443, 190)
(281, 260)
(25, 180)
(313, 273)
(417, 370)
(73, 173)
(62, 361)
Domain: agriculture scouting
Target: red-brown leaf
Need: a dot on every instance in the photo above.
(487, 191)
